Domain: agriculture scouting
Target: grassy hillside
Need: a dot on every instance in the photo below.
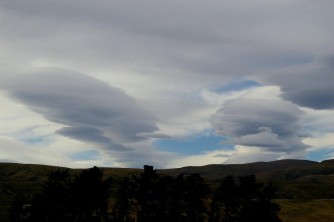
(263, 170)
(320, 210)
(20, 179)
(304, 187)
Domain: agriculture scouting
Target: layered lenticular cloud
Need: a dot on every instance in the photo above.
(90, 110)
(270, 124)
(309, 85)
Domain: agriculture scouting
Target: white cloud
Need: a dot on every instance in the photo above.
(217, 99)
(245, 154)
(318, 121)
(52, 154)
(323, 141)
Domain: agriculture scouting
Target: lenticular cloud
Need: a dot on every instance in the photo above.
(91, 110)
(271, 125)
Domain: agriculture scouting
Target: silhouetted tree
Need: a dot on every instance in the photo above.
(81, 200)
(54, 204)
(154, 197)
(90, 195)
(125, 203)
(263, 209)
(147, 195)
(171, 199)
(225, 202)
(196, 193)
(244, 201)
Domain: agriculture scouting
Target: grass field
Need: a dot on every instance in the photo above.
(306, 210)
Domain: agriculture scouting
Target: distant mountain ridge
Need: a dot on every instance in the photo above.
(214, 171)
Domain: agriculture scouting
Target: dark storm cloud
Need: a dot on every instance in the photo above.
(267, 123)
(85, 104)
(309, 85)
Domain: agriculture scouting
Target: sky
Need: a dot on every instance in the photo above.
(167, 83)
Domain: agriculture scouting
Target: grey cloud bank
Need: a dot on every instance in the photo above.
(175, 41)
(310, 85)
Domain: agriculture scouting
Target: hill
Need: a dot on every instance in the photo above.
(263, 170)
(296, 180)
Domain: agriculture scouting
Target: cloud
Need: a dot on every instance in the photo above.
(318, 122)
(154, 135)
(180, 60)
(264, 138)
(92, 135)
(309, 85)
(174, 41)
(93, 111)
(221, 155)
(324, 141)
(245, 154)
(205, 158)
(58, 153)
(270, 124)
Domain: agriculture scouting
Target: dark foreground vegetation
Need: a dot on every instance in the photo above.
(305, 192)
(149, 197)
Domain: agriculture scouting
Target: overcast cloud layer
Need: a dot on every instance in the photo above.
(105, 82)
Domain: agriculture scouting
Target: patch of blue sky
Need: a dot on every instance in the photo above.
(28, 136)
(237, 86)
(34, 140)
(193, 145)
(85, 155)
(320, 155)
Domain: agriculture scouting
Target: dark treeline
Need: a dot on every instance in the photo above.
(83, 199)
(149, 197)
